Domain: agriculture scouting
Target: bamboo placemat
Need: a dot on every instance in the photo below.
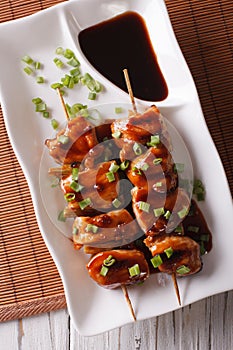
(29, 280)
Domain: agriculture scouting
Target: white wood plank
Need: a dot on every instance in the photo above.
(37, 333)
(59, 329)
(9, 336)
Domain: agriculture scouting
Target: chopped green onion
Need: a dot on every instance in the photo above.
(75, 186)
(103, 271)
(114, 168)
(110, 176)
(73, 62)
(199, 190)
(179, 167)
(56, 86)
(41, 107)
(84, 203)
(27, 59)
(118, 110)
(59, 51)
(98, 86)
(92, 96)
(75, 172)
(28, 70)
(167, 214)
(157, 161)
(58, 62)
(154, 140)
(40, 80)
(134, 270)
(116, 203)
(182, 270)
(194, 229)
(55, 182)
(91, 228)
(205, 238)
(144, 167)
(156, 261)
(37, 65)
(137, 149)
(158, 184)
(116, 134)
(136, 170)
(69, 197)
(46, 114)
(183, 212)
(61, 216)
(124, 165)
(158, 212)
(179, 229)
(71, 83)
(74, 230)
(63, 139)
(144, 206)
(109, 261)
(36, 100)
(68, 53)
(75, 72)
(54, 124)
(168, 252)
(202, 248)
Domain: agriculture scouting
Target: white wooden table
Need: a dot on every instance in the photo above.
(204, 325)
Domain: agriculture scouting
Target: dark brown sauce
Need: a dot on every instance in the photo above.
(124, 42)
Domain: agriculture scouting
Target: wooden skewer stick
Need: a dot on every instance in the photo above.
(63, 103)
(176, 287)
(125, 291)
(130, 91)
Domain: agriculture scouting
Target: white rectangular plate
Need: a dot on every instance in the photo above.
(92, 308)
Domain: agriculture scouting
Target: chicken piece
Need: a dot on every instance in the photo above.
(151, 168)
(94, 186)
(114, 268)
(113, 229)
(138, 128)
(162, 212)
(178, 254)
(74, 142)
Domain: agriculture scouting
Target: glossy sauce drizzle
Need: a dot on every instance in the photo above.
(124, 42)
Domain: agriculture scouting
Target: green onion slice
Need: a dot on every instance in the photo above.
(158, 212)
(116, 203)
(137, 149)
(144, 206)
(63, 139)
(110, 176)
(134, 270)
(154, 140)
(85, 203)
(167, 214)
(91, 228)
(118, 110)
(69, 197)
(103, 271)
(75, 186)
(109, 261)
(75, 172)
(54, 124)
(156, 261)
(124, 165)
(182, 270)
(183, 212)
(114, 168)
(157, 161)
(168, 252)
(61, 217)
(116, 134)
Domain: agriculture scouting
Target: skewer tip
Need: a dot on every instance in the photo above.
(176, 287)
(125, 291)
